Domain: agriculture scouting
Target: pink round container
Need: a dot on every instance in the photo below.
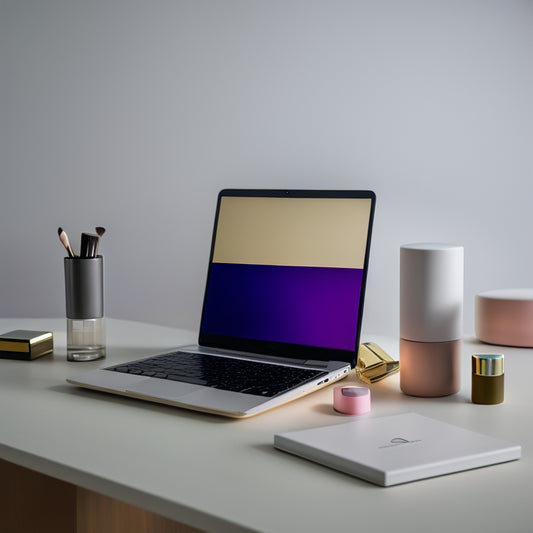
(505, 317)
(351, 400)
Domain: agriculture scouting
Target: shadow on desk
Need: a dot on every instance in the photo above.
(142, 405)
(290, 461)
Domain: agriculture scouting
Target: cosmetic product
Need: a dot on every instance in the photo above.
(374, 364)
(84, 293)
(89, 245)
(487, 378)
(505, 317)
(351, 400)
(25, 344)
(431, 317)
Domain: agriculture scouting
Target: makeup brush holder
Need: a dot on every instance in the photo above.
(84, 294)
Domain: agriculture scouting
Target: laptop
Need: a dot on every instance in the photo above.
(282, 306)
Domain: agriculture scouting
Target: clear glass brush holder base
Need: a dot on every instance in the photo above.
(85, 339)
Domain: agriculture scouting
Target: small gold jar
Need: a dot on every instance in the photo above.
(487, 378)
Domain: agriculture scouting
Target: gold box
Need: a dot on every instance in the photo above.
(374, 364)
(25, 345)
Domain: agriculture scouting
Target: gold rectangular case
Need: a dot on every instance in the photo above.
(374, 364)
(25, 345)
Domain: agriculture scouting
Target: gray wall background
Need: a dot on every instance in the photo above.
(132, 114)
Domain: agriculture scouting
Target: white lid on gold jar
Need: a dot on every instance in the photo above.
(487, 364)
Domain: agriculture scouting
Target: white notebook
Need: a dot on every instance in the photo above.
(397, 449)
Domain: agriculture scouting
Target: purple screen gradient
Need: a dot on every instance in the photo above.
(313, 306)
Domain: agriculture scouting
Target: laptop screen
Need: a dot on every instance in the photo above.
(287, 273)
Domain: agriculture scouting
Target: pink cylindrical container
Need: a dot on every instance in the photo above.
(351, 400)
(431, 318)
(505, 317)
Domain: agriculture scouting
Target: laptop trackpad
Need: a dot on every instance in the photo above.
(162, 388)
(222, 400)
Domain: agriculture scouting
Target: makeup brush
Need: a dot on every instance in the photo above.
(89, 245)
(64, 240)
(100, 230)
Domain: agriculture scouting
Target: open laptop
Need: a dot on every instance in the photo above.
(282, 307)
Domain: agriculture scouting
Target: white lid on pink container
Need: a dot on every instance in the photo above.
(431, 292)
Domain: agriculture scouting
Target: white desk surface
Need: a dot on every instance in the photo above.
(220, 475)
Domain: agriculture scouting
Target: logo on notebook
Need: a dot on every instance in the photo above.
(399, 441)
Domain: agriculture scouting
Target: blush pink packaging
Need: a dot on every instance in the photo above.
(351, 400)
(505, 317)
(431, 318)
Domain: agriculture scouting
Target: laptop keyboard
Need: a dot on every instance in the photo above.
(237, 375)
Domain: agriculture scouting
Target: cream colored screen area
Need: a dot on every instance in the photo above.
(324, 232)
